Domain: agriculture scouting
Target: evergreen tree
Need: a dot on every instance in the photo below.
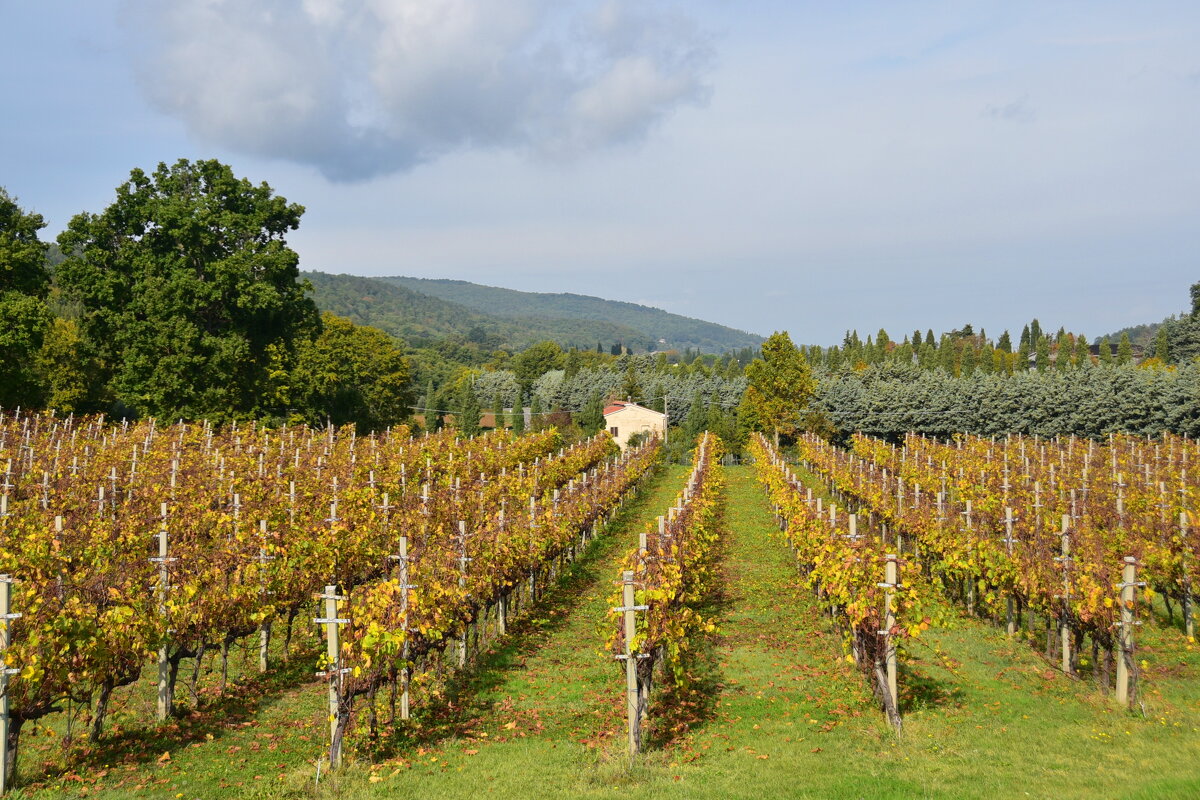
(572, 364)
(968, 360)
(1125, 350)
(1005, 343)
(536, 418)
(1161, 350)
(1026, 341)
(916, 340)
(591, 418)
(1083, 356)
(1021, 362)
(1106, 355)
(987, 358)
(1035, 331)
(1062, 350)
(498, 411)
(518, 419)
(466, 415)
(1043, 353)
(631, 390)
(929, 340)
(948, 355)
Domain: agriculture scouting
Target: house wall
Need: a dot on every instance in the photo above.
(635, 419)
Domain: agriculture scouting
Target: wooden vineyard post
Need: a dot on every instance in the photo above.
(462, 584)
(165, 700)
(334, 671)
(1189, 625)
(264, 627)
(402, 558)
(890, 584)
(6, 618)
(1127, 586)
(1008, 540)
(632, 698)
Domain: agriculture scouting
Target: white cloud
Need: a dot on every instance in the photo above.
(363, 89)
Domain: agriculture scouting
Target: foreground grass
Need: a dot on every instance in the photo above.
(778, 711)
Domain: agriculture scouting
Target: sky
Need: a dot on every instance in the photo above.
(803, 166)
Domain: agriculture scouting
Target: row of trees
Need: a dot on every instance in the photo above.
(963, 352)
(182, 299)
(891, 399)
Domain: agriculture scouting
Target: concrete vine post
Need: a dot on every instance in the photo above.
(891, 583)
(462, 584)
(1064, 622)
(6, 618)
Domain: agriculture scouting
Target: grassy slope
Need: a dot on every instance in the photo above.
(788, 717)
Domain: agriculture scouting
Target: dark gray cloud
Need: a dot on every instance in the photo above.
(359, 89)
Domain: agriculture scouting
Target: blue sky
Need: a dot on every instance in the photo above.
(803, 166)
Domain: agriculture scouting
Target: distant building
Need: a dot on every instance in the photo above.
(623, 420)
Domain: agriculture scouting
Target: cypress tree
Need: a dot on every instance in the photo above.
(1043, 353)
(968, 359)
(467, 412)
(498, 411)
(1025, 340)
(929, 340)
(1105, 351)
(1035, 331)
(1062, 350)
(1005, 343)
(948, 355)
(536, 423)
(987, 358)
(1083, 356)
(1125, 350)
(518, 420)
(1021, 362)
(1161, 351)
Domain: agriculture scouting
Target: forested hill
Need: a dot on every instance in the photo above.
(652, 324)
(419, 318)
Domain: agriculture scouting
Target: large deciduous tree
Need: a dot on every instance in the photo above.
(189, 291)
(24, 317)
(780, 385)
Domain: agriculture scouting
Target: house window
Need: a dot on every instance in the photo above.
(613, 431)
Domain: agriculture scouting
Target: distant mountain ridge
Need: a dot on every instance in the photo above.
(422, 310)
(653, 324)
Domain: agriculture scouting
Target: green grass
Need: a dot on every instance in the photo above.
(778, 712)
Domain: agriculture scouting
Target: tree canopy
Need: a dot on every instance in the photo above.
(24, 317)
(780, 385)
(189, 291)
